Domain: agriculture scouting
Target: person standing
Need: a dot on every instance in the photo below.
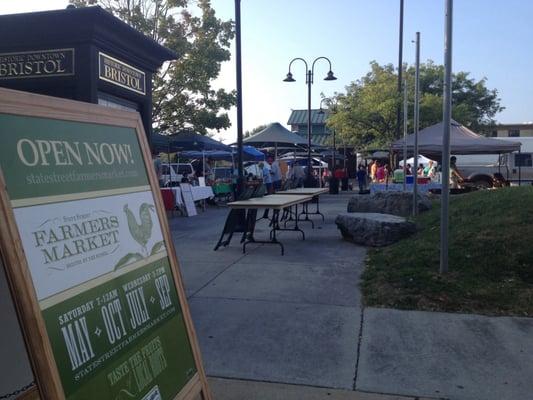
(267, 176)
(158, 170)
(297, 174)
(456, 178)
(276, 173)
(373, 170)
(380, 173)
(429, 171)
(361, 178)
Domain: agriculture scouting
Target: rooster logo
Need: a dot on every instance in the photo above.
(143, 231)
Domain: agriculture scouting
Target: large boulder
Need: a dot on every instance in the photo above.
(373, 229)
(397, 203)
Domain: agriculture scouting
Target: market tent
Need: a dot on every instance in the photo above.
(162, 144)
(275, 135)
(212, 154)
(421, 160)
(462, 141)
(250, 154)
(330, 153)
(186, 141)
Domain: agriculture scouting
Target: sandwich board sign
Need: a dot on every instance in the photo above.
(88, 255)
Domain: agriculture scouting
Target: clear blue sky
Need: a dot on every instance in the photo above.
(492, 39)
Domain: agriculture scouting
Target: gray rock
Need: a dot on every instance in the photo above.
(373, 229)
(397, 203)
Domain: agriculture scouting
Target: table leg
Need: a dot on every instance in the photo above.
(317, 212)
(295, 228)
(273, 238)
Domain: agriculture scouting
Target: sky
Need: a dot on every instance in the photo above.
(491, 39)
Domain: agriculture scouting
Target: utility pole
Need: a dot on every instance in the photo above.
(240, 168)
(446, 121)
(417, 118)
(400, 67)
(405, 111)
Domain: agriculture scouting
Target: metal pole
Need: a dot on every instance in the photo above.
(344, 163)
(446, 121)
(168, 162)
(417, 116)
(405, 135)
(520, 167)
(309, 165)
(400, 62)
(240, 168)
(334, 150)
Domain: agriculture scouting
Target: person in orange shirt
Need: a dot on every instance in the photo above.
(373, 170)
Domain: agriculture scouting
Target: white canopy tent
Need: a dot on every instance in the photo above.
(421, 160)
(462, 141)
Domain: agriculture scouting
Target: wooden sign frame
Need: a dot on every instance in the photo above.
(15, 260)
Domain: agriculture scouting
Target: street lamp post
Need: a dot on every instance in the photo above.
(310, 182)
(332, 105)
(238, 70)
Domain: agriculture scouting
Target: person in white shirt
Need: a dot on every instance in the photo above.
(267, 176)
(276, 173)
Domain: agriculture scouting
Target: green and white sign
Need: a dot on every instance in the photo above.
(97, 258)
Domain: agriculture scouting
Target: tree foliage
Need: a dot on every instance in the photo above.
(366, 113)
(255, 130)
(183, 97)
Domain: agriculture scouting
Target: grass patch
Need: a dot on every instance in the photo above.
(490, 259)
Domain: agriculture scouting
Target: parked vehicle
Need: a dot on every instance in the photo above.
(514, 167)
(176, 173)
(223, 173)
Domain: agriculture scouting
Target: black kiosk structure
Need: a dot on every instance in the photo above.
(83, 54)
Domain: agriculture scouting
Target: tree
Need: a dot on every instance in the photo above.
(366, 113)
(182, 94)
(255, 130)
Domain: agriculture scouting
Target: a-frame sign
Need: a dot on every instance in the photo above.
(88, 255)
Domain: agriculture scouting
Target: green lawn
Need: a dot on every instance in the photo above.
(490, 259)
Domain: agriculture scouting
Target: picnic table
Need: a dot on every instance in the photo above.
(315, 193)
(276, 202)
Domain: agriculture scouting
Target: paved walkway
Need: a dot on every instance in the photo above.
(297, 319)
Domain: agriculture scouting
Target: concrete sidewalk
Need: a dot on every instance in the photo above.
(297, 320)
(233, 389)
(455, 356)
(265, 317)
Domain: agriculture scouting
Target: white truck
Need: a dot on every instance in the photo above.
(176, 173)
(514, 167)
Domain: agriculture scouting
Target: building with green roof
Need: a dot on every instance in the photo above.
(320, 134)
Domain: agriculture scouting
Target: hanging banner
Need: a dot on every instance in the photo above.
(101, 268)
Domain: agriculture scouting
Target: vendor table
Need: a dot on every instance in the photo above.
(315, 192)
(202, 192)
(276, 202)
(198, 193)
(177, 195)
